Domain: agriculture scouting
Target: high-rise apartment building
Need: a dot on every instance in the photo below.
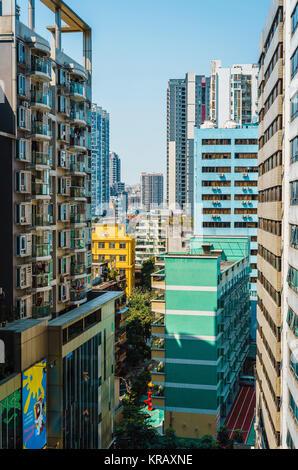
(226, 189)
(45, 179)
(100, 160)
(115, 169)
(277, 345)
(151, 190)
(187, 106)
(201, 333)
(233, 93)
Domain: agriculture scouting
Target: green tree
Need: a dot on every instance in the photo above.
(134, 431)
(223, 439)
(238, 436)
(148, 267)
(139, 321)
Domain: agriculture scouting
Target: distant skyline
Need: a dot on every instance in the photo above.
(139, 46)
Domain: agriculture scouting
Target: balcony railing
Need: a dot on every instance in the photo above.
(41, 129)
(79, 167)
(78, 191)
(39, 281)
(77, 243)
(78, 142)
(39, 97)
(40, 158)
(77, 89)
(78, 115)
(78, 218)
(40, 250)
(40, 189)
(78, 269)
(43, 66)
(77, 296)
(41, 311)
(41, 220)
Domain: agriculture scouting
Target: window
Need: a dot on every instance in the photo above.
(122, 246)
(245, 224)
(122, 259)
(216, 169)
(293, 407)
(216, 224)
(216, 197)
(274, 294)
(294, 193)
(294, 107)
(216, 141)
(112, 245)
(271, 194)
(292, 321)
(295, 20)
(216, 183)
(22, 149)
(271, 226)
(216, 211)
(246, 183)
(294, 236)
(246, 155)
(293, 279)
(21, 85)
(272, 162)
(294, 150)
(246, 169)
(101, 245)
(293, 365)
(21, 53)
(246, 141)
(246, 197)
(272, 259)
(216, 156)
(294, 63)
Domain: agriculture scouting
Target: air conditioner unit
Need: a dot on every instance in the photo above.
(244, 174)
(244, 203)
(221, 174)
(23, 220)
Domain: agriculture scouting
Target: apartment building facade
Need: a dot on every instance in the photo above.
(46, 174)
(201, 333)
(187, 106)
(112, 244)
(226, 189)
(276, 371)
(151, 190)
(233, 93)
(100, 160)
(62, 370)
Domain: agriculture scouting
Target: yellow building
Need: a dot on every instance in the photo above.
(111, 243)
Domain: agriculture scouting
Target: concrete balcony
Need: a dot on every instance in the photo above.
(41, 191)
(41, 69)
(158, 280)
(40, 131)
(77, 92)
(41, 101)
(78, 297)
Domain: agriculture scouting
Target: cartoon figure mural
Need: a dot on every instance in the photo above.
(34, 407)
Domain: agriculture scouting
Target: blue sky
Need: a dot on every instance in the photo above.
(139, 44)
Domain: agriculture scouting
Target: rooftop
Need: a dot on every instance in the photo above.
(86, 308)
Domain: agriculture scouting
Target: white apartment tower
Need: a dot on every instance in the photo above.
(233, 93)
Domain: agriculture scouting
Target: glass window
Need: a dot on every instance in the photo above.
(295, 19)
(294, 107)
(294, 150)
(294, 63)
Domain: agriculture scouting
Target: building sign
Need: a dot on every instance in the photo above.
(34, 407)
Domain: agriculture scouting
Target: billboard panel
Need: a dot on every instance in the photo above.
(34, 407)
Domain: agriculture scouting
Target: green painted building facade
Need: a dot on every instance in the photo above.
(205, 336)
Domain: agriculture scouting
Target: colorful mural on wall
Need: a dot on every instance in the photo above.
(34, 407)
